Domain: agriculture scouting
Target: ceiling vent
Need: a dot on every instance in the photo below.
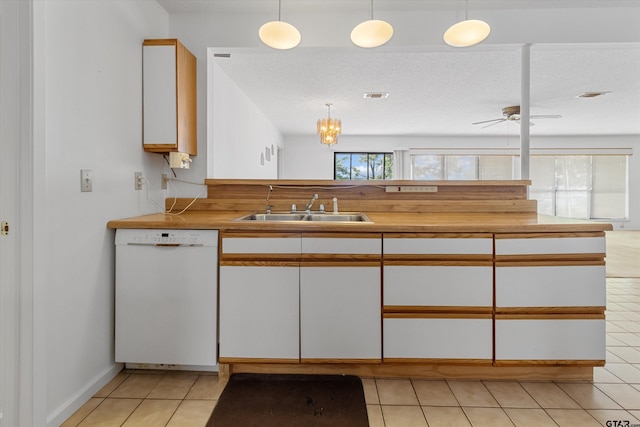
(376, 95)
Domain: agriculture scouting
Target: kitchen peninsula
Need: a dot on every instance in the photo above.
(448, 279)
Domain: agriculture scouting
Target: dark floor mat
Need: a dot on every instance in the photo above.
(251, 400)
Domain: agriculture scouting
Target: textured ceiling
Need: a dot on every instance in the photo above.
(436, 90)
(443, 93)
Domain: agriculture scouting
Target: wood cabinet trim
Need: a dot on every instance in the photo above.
(453, 310)
(550, 316)
(537, 311)
(444, 260)
(436, 315)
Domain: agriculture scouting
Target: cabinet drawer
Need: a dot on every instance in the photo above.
(438, 246)
(551, 286)
(549, 245)
(261, 245)
(438, 286)
(329, 245)
(438, 338)
(550, 339)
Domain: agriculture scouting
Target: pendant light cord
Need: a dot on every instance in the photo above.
(279, 9)
(466, 10)
(372, 10)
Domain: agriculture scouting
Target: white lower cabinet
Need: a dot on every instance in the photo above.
(340, 313)
(438, 338)
(259, 312)
(561, 339)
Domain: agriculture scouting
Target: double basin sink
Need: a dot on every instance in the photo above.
(301, 216)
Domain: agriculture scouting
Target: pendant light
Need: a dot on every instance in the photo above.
(468, 32)
(371, 33)
(329, 128)
(279, 34)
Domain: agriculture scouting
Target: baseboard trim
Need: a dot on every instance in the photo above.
(68, 408)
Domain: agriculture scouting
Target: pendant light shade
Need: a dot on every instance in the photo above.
(279, 34)
(468, 32)
(371, 33)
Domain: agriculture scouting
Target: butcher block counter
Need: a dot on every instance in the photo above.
(448, 279)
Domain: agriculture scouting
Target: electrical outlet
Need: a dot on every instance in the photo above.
(86, 181)
(164, 178)
(411, 189)
(138, 181)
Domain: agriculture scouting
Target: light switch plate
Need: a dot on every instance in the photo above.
(86, 180)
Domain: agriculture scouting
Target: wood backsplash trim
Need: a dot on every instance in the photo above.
(366, 196)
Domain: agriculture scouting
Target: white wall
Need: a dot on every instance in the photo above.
(243, 142)
(305, 158)
(87, 115)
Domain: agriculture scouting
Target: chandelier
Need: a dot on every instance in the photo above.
(329, 128)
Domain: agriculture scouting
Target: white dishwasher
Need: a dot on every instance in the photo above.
(166, 297)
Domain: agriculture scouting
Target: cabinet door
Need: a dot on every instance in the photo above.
(340, 313)
(259, 313)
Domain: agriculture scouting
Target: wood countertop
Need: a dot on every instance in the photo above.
(381, 222)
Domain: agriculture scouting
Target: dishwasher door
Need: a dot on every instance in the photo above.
(166, 297)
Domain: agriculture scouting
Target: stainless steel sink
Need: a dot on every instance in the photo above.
(330, 217)
(300, 216)
(272, 217)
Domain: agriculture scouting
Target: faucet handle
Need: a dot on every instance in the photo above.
(321, 208)
(294, 208)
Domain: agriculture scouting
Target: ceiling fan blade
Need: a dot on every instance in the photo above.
(495, 122)
(546, 116)
(488, 121)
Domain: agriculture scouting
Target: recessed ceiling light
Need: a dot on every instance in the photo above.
(592, 94)
(376, 95)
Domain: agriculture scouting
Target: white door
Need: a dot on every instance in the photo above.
(15, 174)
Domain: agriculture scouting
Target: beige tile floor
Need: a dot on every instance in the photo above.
(149, 398)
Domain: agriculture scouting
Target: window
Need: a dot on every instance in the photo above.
(453, 167)
(362, 166)
(580, 186)
(584, 187)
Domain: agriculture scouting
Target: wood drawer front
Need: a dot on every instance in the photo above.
(550, 339)
(557, 286)
(261, 245)
(444, 338)
(438, 286)
(550, 245)
(330, 245)
(438, 246)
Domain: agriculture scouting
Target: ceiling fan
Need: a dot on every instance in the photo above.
(512, 113)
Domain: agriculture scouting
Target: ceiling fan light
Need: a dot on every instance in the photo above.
(371, 33)
(467, 33)
(279, 35)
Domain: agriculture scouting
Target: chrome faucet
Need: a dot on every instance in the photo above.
(308, 206)
(268, 207)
